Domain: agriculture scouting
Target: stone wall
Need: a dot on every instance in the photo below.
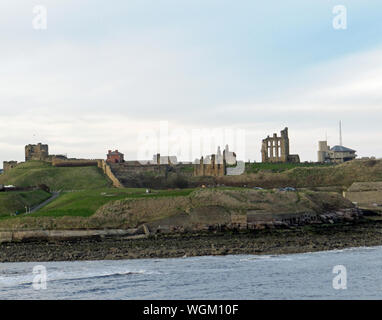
(127, 168)
(58, 162)
(108, 172)
(134, 174)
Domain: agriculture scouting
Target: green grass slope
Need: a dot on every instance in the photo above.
(57, 178)
(87, 202)
(175, 208)
(10, 202)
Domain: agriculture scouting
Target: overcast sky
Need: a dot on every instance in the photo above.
(103, 72)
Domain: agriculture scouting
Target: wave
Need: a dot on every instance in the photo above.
(291, 256)
(361, 248)
(280, 257)
(27, 280)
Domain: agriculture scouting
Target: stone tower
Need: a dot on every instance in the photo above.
(36, 152)
(323, 150)
(8, 165)
(284, 145)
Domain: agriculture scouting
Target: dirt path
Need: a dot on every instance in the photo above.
(46, 202)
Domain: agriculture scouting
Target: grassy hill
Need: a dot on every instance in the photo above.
(85, 189)
(216, 206)
(87, 202)
(344, 174)
(175, 208)
(33, 173)
(10, 202)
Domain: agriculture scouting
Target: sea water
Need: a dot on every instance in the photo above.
(291, 276)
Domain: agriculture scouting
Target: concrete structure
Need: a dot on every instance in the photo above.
(229, 156)
(38, 152)
(366, 194)
(276, 149)
(115, 157)
(215, 164)
(337, 154)
(8, 165)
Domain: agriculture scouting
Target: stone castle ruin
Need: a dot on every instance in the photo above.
(276, 149)
(8, 165)
(38, 152)
(215, 164)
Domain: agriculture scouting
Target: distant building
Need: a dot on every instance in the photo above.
(336, 154)
(38, 152)
(115, 157)
(276, 149)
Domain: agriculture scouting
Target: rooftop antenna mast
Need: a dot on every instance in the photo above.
(340, 133)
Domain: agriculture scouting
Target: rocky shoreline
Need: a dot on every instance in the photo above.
(308, 238)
